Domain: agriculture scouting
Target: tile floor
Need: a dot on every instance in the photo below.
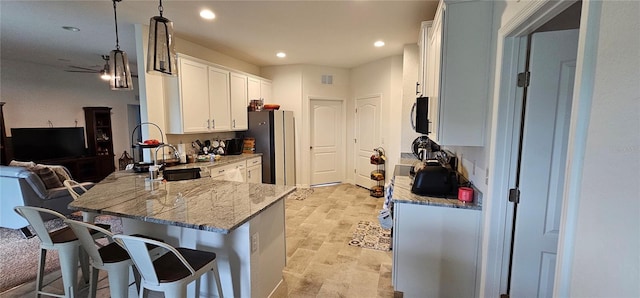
(320, 263)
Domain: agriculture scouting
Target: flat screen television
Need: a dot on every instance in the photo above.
(33, 144)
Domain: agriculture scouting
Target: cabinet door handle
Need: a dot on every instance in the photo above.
(234, 123)
(208, 124)
(417, 84)
(213, 123)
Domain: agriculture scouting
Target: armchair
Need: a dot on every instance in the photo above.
(21, 187)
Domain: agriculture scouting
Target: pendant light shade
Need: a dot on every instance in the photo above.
(120, 73)
(161, 55)
(119, 66)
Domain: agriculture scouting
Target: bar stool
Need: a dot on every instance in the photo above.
(174, 270)
(63, 240)
(110, 257)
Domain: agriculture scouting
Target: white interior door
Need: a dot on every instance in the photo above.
(367, 137)
(327, 135)
(542, 170)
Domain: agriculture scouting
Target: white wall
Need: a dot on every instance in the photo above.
(606, 260)
(293, 86)
(409, 79)
(382, 77)
(35, 94)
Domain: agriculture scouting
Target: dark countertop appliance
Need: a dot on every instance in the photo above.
(436, 177)
(234, 146)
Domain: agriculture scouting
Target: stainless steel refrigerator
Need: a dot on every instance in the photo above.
(274, 134)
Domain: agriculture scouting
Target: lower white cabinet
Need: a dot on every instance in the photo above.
(250, 170)
(254, 170)
(223, 172)
(435, 251)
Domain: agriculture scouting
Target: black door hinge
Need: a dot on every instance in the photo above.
(524, 78)
(514, 195)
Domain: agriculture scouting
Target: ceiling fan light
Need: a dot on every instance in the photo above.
(161, 56)
(105, 75)
(119, 71)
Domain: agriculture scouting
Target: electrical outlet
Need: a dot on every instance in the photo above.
(254, 242)
(473, 171)
(486, 177)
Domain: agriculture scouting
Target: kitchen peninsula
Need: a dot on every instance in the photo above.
(243, 223)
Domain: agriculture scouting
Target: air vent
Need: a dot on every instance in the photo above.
(327, 79)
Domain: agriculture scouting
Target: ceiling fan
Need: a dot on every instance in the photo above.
(104, 71)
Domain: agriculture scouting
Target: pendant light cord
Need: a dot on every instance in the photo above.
(115, 16)
(160, 8)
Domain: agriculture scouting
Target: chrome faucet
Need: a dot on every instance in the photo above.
(175, 153)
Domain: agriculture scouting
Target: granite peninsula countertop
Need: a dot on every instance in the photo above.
(203, 204)
(402, 194)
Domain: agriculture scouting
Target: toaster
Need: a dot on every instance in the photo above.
(435, 180)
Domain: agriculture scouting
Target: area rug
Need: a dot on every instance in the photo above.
(301, 193)
(19, 256)
(371, 235)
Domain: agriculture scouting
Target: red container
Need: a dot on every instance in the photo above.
(465, 194)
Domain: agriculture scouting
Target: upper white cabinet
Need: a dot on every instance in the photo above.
(219, 99)
(265, 91)
(198, 99)
(205, 97)
(423, 52)
(259, 89)
(253, 88)
(457, 71)
(239, 102)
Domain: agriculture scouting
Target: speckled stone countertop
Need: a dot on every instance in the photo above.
(203, 204)
(224, 160)
(402, 194)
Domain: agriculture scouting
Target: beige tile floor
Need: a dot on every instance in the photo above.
(320, 263)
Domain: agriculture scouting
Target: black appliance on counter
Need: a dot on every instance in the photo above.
(234, 146)
(436, 177)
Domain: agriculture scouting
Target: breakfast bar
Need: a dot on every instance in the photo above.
(243, 223)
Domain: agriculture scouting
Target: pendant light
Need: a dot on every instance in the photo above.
(161, 55)
(119, 66)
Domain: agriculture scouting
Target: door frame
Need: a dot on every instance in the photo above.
(511, 42)
(306, 141)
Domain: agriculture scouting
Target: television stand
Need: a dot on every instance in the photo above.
(86, 168)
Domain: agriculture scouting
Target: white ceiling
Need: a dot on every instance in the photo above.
(331, 33)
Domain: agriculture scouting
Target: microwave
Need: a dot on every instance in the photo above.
(420, 115)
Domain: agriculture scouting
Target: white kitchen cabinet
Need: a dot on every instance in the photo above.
(423, 52)
(239, 101)
(253, 88)
(265, 91)
(458, 87)
(198, 99)
(188, 103)
(254, 170)
(435, 250)
(221, 172)
(259, 89)
(219, 100)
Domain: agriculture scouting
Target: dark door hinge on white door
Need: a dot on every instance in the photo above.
(514, 195)
(524, 78)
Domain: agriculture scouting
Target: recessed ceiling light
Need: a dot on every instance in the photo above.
(281, 55)
(379, 43)
(71, 28)
(207, 14)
